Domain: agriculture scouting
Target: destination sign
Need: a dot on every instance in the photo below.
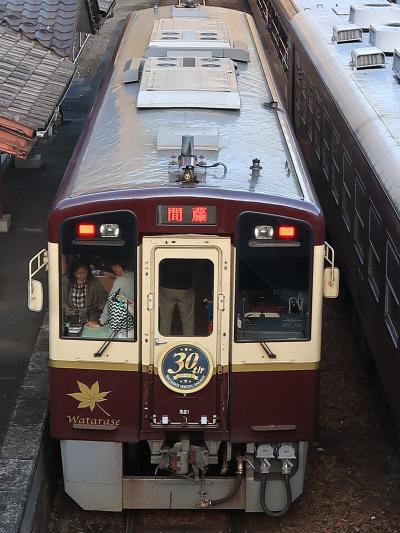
(186, 215)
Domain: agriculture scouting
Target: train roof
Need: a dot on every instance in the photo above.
(137, 126)
(369, 98)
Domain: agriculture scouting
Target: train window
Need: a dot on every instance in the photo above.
(317, 125)
(262, 5)
(186, 297)
(360, 218)
(310, 109)
(336, 165)
(97, 277)
(392, 292)
(273, 282)
(304, 99)
(374, 252)
(300, 94)
(326, 145)
(346, 189)
(278, 35)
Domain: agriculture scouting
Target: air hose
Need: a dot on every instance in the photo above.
(264, 478)
(232, 493)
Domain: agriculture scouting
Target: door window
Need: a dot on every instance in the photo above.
(186, 297)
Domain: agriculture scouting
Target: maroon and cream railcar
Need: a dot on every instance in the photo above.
(188, 175)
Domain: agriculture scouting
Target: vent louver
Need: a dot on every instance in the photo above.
(367, 58)
(396, 63)
(386, 37)
(347, 33)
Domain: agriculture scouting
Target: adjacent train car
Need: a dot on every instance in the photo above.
(338, 67)
(202, 390)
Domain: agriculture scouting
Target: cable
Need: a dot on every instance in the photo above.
(230, 495)
(214, 165)
(264, 478)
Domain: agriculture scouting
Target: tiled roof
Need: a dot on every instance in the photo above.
(36, 41)
(51, 22)
(33, 80)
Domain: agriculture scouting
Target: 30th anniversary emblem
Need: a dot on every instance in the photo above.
(185, 368)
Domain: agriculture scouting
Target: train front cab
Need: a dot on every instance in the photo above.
(166, 416)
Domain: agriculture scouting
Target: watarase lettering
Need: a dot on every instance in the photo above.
(75, 419)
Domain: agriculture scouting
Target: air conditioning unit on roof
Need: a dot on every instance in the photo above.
(386, 37)
(367, 58)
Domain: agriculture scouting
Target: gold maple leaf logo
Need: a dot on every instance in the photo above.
(90, 397)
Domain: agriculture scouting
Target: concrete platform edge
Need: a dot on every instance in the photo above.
(27, 455)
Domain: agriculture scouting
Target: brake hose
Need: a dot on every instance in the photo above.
(232, 493)
(264, 478)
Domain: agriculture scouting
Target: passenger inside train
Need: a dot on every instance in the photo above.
(83, 294)
(98, 297)
(185, 294)
(118, 311)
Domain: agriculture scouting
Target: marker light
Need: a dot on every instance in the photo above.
(263, 232)
(109, 230)
(86, 230)
(286, 232)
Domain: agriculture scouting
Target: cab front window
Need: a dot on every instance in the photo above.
(98, 278)
(273, 279)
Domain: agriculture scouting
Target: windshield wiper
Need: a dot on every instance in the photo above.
(268, 350)
(106, 343)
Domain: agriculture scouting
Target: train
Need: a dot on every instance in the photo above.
(337, 68)
(195, 383)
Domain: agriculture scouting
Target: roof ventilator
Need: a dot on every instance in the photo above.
(371, 13)
(386, 37)
(367, 58)
(396, 63)
(187, 162)
(347, 33)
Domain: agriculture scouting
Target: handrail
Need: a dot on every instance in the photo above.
(39, 265)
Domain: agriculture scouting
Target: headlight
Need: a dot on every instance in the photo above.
(109, 230)
(263, 232)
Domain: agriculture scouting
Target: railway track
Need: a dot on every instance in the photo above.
(226, 523)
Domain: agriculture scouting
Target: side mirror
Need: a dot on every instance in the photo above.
(35, 295)
(331, 282)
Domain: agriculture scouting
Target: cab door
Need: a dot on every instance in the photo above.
(185, 332)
